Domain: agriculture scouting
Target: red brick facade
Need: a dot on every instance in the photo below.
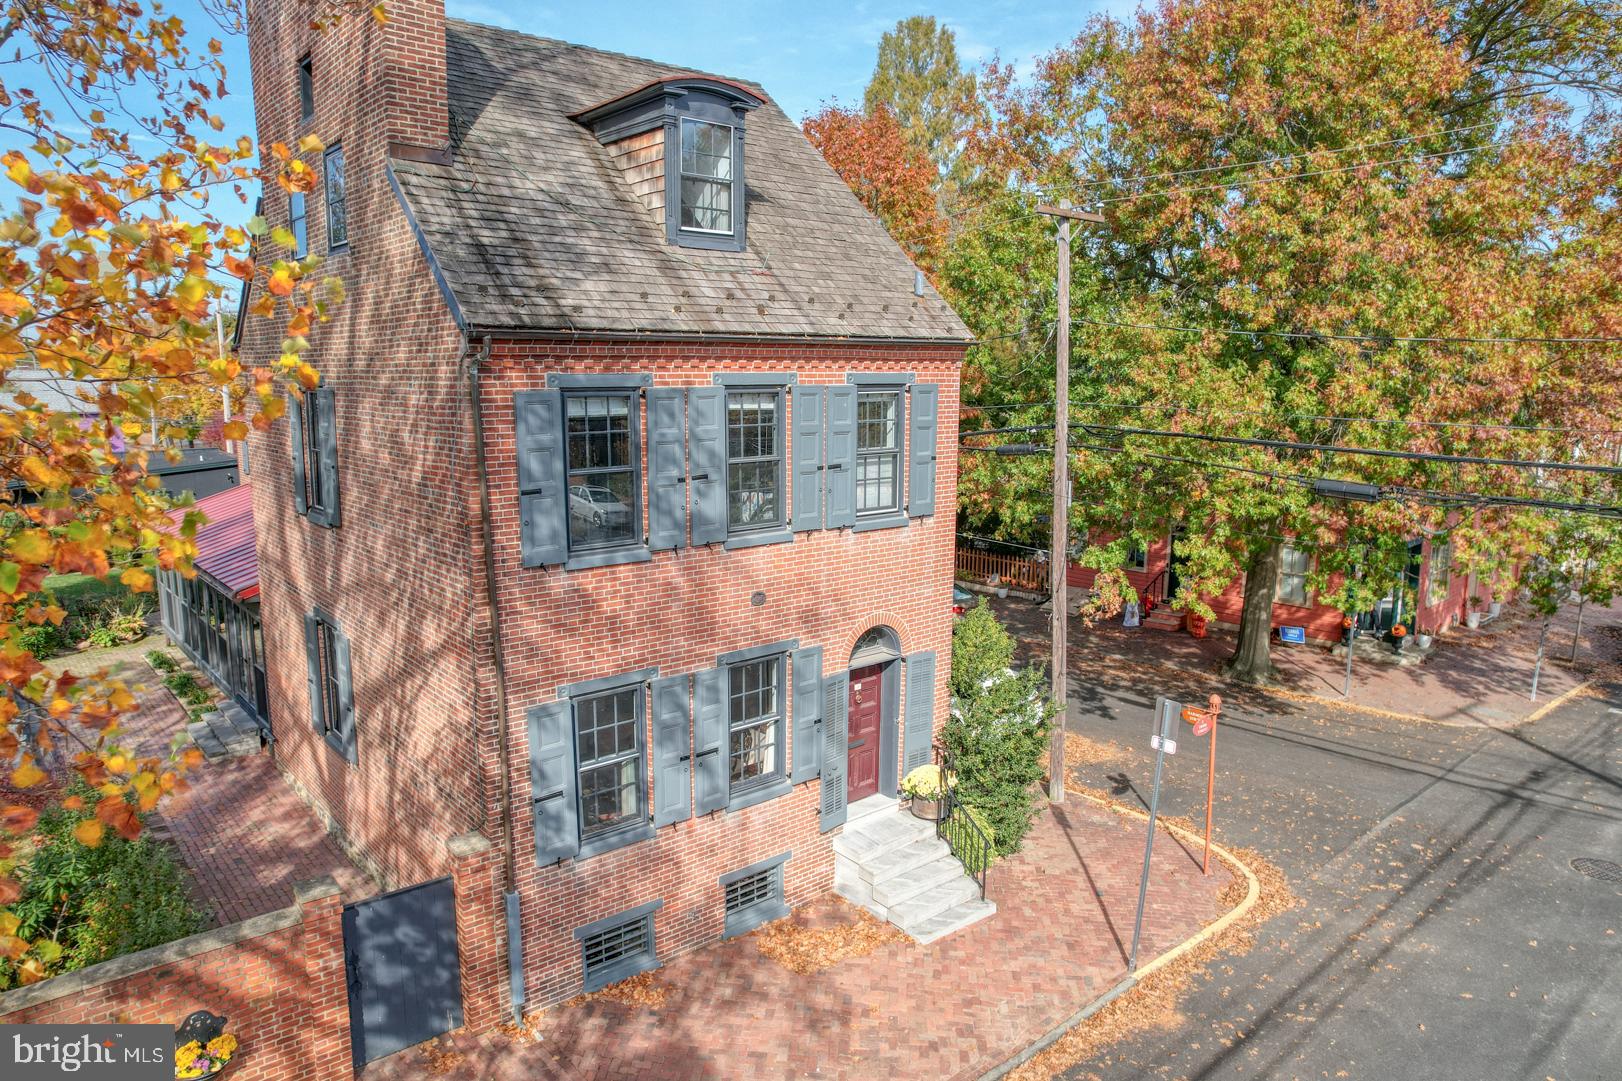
(278, 980)
(403, 573)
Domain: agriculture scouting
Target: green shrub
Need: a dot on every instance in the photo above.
(93, 904)
(998, 728)
(44, 640)
(187, 689)
(162, 661)
(963, 841)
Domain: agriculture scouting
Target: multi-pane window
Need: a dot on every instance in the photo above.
(878, 452)
(306, 88)
(1441, 572)
(337, 196)
(1293, 565)
(326, 656)
(314, 417)
(1137, 559)
(755, 720)
(608, 745)
(297, 225)
(706, 176)
(754, 460)
(604, 471)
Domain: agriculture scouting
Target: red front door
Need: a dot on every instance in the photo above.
(866, 713)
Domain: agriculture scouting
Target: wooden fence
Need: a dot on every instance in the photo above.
(1013, 571)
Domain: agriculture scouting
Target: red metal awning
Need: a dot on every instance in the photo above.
(226, 551)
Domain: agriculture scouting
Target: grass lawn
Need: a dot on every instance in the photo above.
(81, 591)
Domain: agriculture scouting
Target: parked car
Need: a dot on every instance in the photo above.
(597, 510)
(962, 601)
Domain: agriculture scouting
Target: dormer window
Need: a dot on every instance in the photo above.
(679, 143)
(706, 176)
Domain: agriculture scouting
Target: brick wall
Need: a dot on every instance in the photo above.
(396, 573)
(679, 612)
(257, 974)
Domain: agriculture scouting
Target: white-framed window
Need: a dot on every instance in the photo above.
(706, 177)
(755, 460)
(1137, 559)
(755, 713)
(878, 452)
(1293, 567)
(1441, 572)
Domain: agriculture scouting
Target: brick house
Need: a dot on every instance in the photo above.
(620, 528)
(1439, 595)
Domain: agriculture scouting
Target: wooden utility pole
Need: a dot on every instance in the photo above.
(1059, 554)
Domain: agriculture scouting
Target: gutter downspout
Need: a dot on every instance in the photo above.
(515, 950)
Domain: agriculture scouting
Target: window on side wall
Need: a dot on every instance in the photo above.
(298, 225)
(608, 741)
(1293, 566)
(755, 723)
(1441, 573)
(754, 461)
(337, 194)
(306, 88)
(878, 452)
(604, 470)
(331, 684)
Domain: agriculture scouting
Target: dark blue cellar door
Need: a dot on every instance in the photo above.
(405, 983)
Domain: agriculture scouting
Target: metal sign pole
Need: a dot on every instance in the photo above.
(1165, 713)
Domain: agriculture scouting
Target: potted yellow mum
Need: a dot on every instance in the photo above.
(923, 787)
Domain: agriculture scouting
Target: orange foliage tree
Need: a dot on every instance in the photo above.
(113, 261)
(893, 178)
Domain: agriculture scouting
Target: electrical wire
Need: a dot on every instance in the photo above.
(1318, 335)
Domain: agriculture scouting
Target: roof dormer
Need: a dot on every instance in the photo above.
(679, 141)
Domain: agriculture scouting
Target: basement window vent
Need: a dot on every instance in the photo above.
(618, 947)
(754, 895)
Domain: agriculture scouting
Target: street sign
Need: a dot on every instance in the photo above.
(1293, 635)
(1167, 745)
(1202, 726)
(1163, 725)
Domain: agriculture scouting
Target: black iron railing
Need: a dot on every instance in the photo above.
(957, 827)
(1156, 589)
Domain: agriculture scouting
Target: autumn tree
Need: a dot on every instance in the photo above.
(116, 250)
(891, 176)
(1289, 181)
(919, 79)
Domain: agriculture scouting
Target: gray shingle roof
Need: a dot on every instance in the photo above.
(534, 227)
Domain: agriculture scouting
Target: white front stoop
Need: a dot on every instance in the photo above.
(893, 865)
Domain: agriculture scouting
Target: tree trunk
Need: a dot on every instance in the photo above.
(1252, 660)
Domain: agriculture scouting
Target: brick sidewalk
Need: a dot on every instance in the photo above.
(244, 835)
(1472, 676)
(953, 1009)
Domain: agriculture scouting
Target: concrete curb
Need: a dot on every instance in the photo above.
(1253, 891)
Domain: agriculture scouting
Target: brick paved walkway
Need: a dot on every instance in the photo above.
(949, 1010)
(1473, 676)
(244, 835)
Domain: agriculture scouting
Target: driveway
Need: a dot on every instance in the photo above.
(1444, 933)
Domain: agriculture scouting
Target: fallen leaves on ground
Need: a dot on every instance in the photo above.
(644, 990)
(804, 948)
(1153, 1003)
(525, 1033)
(441, 1060)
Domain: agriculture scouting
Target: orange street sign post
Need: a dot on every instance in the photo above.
(1205, 722)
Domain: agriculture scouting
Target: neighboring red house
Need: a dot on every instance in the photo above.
(628, 488)
(1442, 594)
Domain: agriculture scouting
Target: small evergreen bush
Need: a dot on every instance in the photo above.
(998, 729)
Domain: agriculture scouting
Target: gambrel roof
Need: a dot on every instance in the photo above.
(532, 226)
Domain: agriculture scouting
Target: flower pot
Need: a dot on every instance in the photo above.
(1425, 641)
(1195, 624)
(1472, 620)
(927, 809)
(1494, 608)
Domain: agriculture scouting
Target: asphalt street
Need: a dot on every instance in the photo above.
(1443, 933)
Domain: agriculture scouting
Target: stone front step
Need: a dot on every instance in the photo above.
(225, 732)
(893, 865)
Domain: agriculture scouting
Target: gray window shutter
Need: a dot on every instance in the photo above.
(807, 458)
(672, 751)
(841, 471)
(919, 748)
(543, 503)
(710, 740)
(707, 462)
(835, 736)
(667, 469)
(344, 728)
(327, 408)
(807, 712)
(295, 434)
(921, 435)
(312, 657)
(552, 782)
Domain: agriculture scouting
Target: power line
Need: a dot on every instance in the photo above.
(1287, 157)
(1371, 452)
(1302, 175)
(1318, 335)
